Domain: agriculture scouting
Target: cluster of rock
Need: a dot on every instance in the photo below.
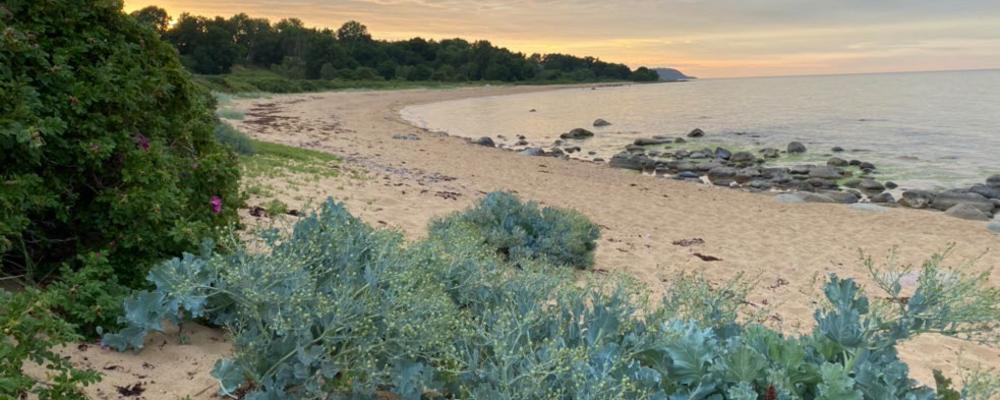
(838, 181)
(979, 202)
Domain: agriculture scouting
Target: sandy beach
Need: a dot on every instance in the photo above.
(785, 248)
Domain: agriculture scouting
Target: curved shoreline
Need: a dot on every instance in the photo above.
(412, 181)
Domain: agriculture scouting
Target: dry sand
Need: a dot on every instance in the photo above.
(783, 247)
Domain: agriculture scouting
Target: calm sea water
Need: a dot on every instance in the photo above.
(922, 130)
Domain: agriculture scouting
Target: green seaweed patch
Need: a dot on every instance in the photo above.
(278, 160)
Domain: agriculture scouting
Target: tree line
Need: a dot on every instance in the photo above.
(214, 45)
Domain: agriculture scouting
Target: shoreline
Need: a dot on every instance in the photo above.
(436, 174)
(394, 175)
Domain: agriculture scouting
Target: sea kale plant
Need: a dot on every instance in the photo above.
(517, 230)
(337, 309)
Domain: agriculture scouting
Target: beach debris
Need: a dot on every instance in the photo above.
(778, 283)
(707, 258)
(796, 147)
(258, 211)
(600, 122)
(408, 136)
(689, 242)
(697, 132)
(577, 133)
(448, 195)
(135, 390)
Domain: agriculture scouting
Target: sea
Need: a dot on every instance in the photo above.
(926, 130)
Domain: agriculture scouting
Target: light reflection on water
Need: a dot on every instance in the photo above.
(923, 130)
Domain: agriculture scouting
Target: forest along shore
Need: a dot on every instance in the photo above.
(651, 228)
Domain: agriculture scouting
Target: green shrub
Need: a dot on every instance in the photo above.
(519, 230)
(337, 309)
(28, 332)
(106, 144)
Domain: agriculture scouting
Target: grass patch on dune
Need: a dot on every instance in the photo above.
(273, 160)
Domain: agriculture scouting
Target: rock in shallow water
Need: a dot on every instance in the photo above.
(578, 133)
(697, 132)
(651, 142)
(534, 152)
(994, 181)
(484, 141)
(836, 162)
(967, 211)
(770, 152)
(600, 122)
(796, 147)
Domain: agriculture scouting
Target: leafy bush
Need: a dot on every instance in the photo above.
(29, 332)
(519, 230)
(105, 142)
(337, 309)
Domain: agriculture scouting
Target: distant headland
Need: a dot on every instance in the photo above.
(672, 75)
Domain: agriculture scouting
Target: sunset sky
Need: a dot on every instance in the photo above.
(706, 38)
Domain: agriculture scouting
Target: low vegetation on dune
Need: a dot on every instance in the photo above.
(482, 308)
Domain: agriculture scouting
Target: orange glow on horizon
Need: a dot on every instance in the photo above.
(615, 35)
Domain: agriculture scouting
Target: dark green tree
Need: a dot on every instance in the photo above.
(153, 16)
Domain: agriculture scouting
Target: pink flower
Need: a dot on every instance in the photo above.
(142, 141)
(216, 203)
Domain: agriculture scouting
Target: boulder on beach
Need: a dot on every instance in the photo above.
(484, 141)
(967, 211)
(742, 157)
(837, 149)
(697, 132)
(722, 176)
(722, 153)
(628, 160)
(600, 122)
(533, 151)
(987, 191)
(884, 197)
(796, 147)
(891, 185)
(871, 186)
(917, 199)
(866, 166)
(680, 140)
(836, 162)
(946, 200)
(841, 197)
(577, 133)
